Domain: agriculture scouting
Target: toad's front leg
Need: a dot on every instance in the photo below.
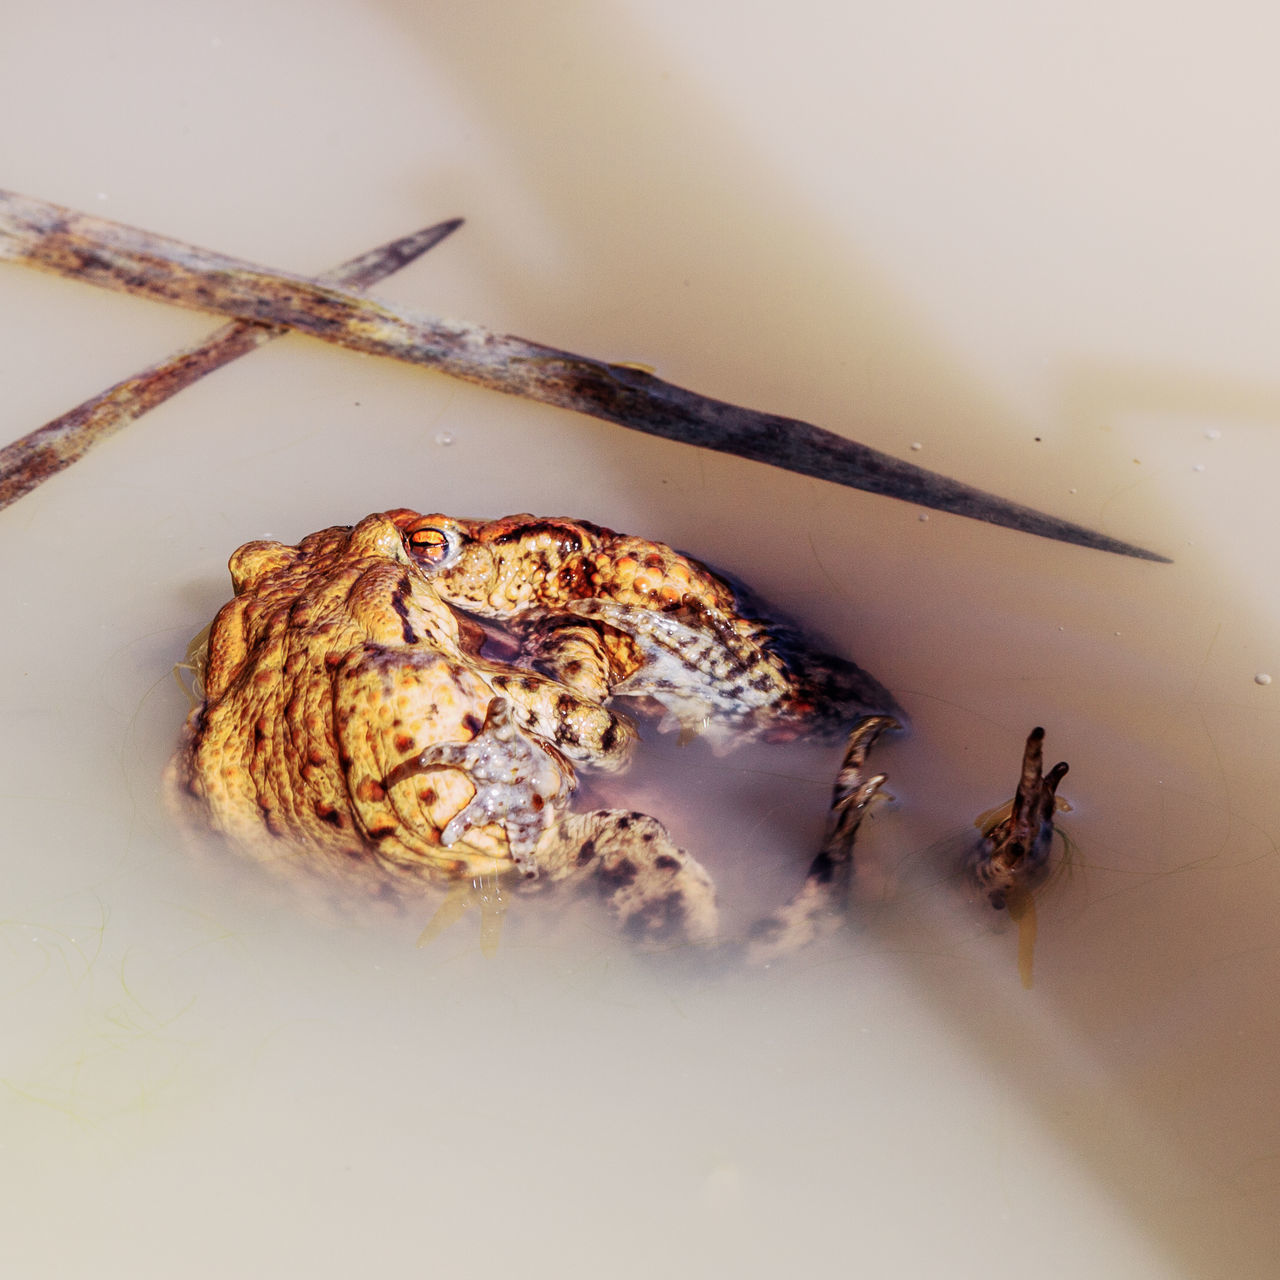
(522, 782)
(582, 730)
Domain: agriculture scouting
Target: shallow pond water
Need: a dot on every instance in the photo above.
(199, 1074)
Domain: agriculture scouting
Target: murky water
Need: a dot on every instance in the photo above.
(201, 1076)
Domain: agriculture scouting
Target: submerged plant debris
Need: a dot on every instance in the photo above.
(52, 238)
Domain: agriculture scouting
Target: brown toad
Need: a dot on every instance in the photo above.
(612, 615)
(359, 723)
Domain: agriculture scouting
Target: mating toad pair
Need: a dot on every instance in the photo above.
(405, 703)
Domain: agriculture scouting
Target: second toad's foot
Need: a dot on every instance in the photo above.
(852, 791)
(522, 782)
(817, 909)
(1014, 853)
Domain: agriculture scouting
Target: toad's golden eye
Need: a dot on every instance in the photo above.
(430, 544)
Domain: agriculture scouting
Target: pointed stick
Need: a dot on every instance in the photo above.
(32, 459)
(123, 258)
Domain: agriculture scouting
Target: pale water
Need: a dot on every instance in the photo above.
(1041, 253)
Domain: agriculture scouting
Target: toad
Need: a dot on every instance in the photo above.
(612, 615)
(406, 703)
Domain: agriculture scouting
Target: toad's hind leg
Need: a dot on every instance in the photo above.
(657, 892)
(818, 907)
(1014, 853)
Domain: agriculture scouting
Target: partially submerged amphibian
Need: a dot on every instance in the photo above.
(406, 703)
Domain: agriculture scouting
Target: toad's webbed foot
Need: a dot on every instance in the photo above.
(817, 908)
(851, 794)
(522, 782)
(1014, 854)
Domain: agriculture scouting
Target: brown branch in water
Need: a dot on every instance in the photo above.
(32, 459)
(119, 257)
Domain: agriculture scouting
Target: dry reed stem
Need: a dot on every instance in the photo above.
(119, 257)
(42, 453)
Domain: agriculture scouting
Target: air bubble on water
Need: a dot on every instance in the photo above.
(1262, 678)
(916, 446)
(444, 437)
(1199, 466)
(1212, 434)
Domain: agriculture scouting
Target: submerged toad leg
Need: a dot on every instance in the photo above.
(818, 907)
(660, 893)
(657, 891)
(1014, 854)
